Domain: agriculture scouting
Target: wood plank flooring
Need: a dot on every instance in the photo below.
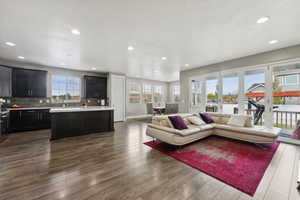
(117, 166)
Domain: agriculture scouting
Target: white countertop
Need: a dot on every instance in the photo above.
(29, 108)
(80, 109)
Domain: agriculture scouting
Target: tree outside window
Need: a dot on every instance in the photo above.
(65, 88)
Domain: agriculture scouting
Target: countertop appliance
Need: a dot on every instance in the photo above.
(3, 122)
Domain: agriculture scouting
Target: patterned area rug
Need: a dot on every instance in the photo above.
(239, 164)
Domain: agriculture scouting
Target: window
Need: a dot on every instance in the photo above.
(176, 93)
(230, 93)
(65, 88)
(291, 80)
(147, 93)
(158, 93)
(196, 92)
(134, 93)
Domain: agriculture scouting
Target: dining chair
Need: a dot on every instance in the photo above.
(171, 108)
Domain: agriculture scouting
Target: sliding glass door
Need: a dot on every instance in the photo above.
(230, 93)
(286, 98)
(254, 92)
(197, 100)
(212, 89)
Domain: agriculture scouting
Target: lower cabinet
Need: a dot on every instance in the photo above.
(69, 124)
(27, 120)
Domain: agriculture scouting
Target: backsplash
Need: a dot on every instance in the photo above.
(47, 102)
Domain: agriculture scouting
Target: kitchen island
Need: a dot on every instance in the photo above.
(69, 122)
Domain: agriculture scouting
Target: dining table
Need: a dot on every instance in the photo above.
(159, 109)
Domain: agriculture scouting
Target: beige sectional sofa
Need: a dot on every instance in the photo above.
(161, 128)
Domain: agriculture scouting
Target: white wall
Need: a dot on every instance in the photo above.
(140, 108)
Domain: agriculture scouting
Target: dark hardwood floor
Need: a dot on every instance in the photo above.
(116, 166)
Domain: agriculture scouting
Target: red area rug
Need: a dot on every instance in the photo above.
(239, 164)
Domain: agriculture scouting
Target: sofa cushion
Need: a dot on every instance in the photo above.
(191, 130)
(162, 121)
(177, 122)
(206, 118)
(195, 120)
(255, 130)
(237, 120)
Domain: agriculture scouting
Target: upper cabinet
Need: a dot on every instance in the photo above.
(95, 87)
(5, 81)
(29, 83)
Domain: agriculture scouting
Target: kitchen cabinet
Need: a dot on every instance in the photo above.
(5, 81)
(95, 87)
(27, 120)
(29, 83)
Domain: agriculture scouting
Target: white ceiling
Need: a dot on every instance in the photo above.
(196, 32)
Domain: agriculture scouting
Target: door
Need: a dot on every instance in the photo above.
(286, 99)
(118, 97)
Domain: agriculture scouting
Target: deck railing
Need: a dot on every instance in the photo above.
(281, 119)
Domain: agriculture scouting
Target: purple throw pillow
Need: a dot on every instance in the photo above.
(177, 122)
(206, 118)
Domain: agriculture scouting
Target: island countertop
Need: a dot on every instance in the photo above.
(80, 109)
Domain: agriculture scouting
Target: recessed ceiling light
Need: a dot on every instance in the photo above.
(93, 68)
(164, 58)
(62, 64)
(130, 48)
(273, 41)
(262, 20)
(186, 65)
(10, 44)
(156, 71)
(21, 57)
(75, 32)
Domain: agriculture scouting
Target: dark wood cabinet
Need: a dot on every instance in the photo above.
(69, 124)
(95, 87)
(29, 83)
(5, 81)
(27, 120)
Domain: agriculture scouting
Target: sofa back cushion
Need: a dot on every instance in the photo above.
(206, 118)
(196, 120)
(177, 122)
(238, 120)
(162, 121)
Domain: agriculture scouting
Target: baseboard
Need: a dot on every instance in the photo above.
(289, 140)
(138, 117)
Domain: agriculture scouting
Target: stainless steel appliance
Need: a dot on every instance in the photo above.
(3, 122)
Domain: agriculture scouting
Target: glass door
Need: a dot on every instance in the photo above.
(212, 90)
(286, 99)
(197, 100)
(254, 92)
(230, 93)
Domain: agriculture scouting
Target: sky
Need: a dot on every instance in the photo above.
(231, 84)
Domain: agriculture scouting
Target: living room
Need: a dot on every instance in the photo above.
(150, 100)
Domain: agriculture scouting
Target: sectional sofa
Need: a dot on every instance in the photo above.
(161, 128)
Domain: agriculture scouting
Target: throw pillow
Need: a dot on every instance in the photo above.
(237, 120)
(206, 118)
(196, 120)
(177, 122)
(165, 122)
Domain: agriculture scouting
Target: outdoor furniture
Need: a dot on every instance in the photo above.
(159, 109)
(150, 109)
(171, 108)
